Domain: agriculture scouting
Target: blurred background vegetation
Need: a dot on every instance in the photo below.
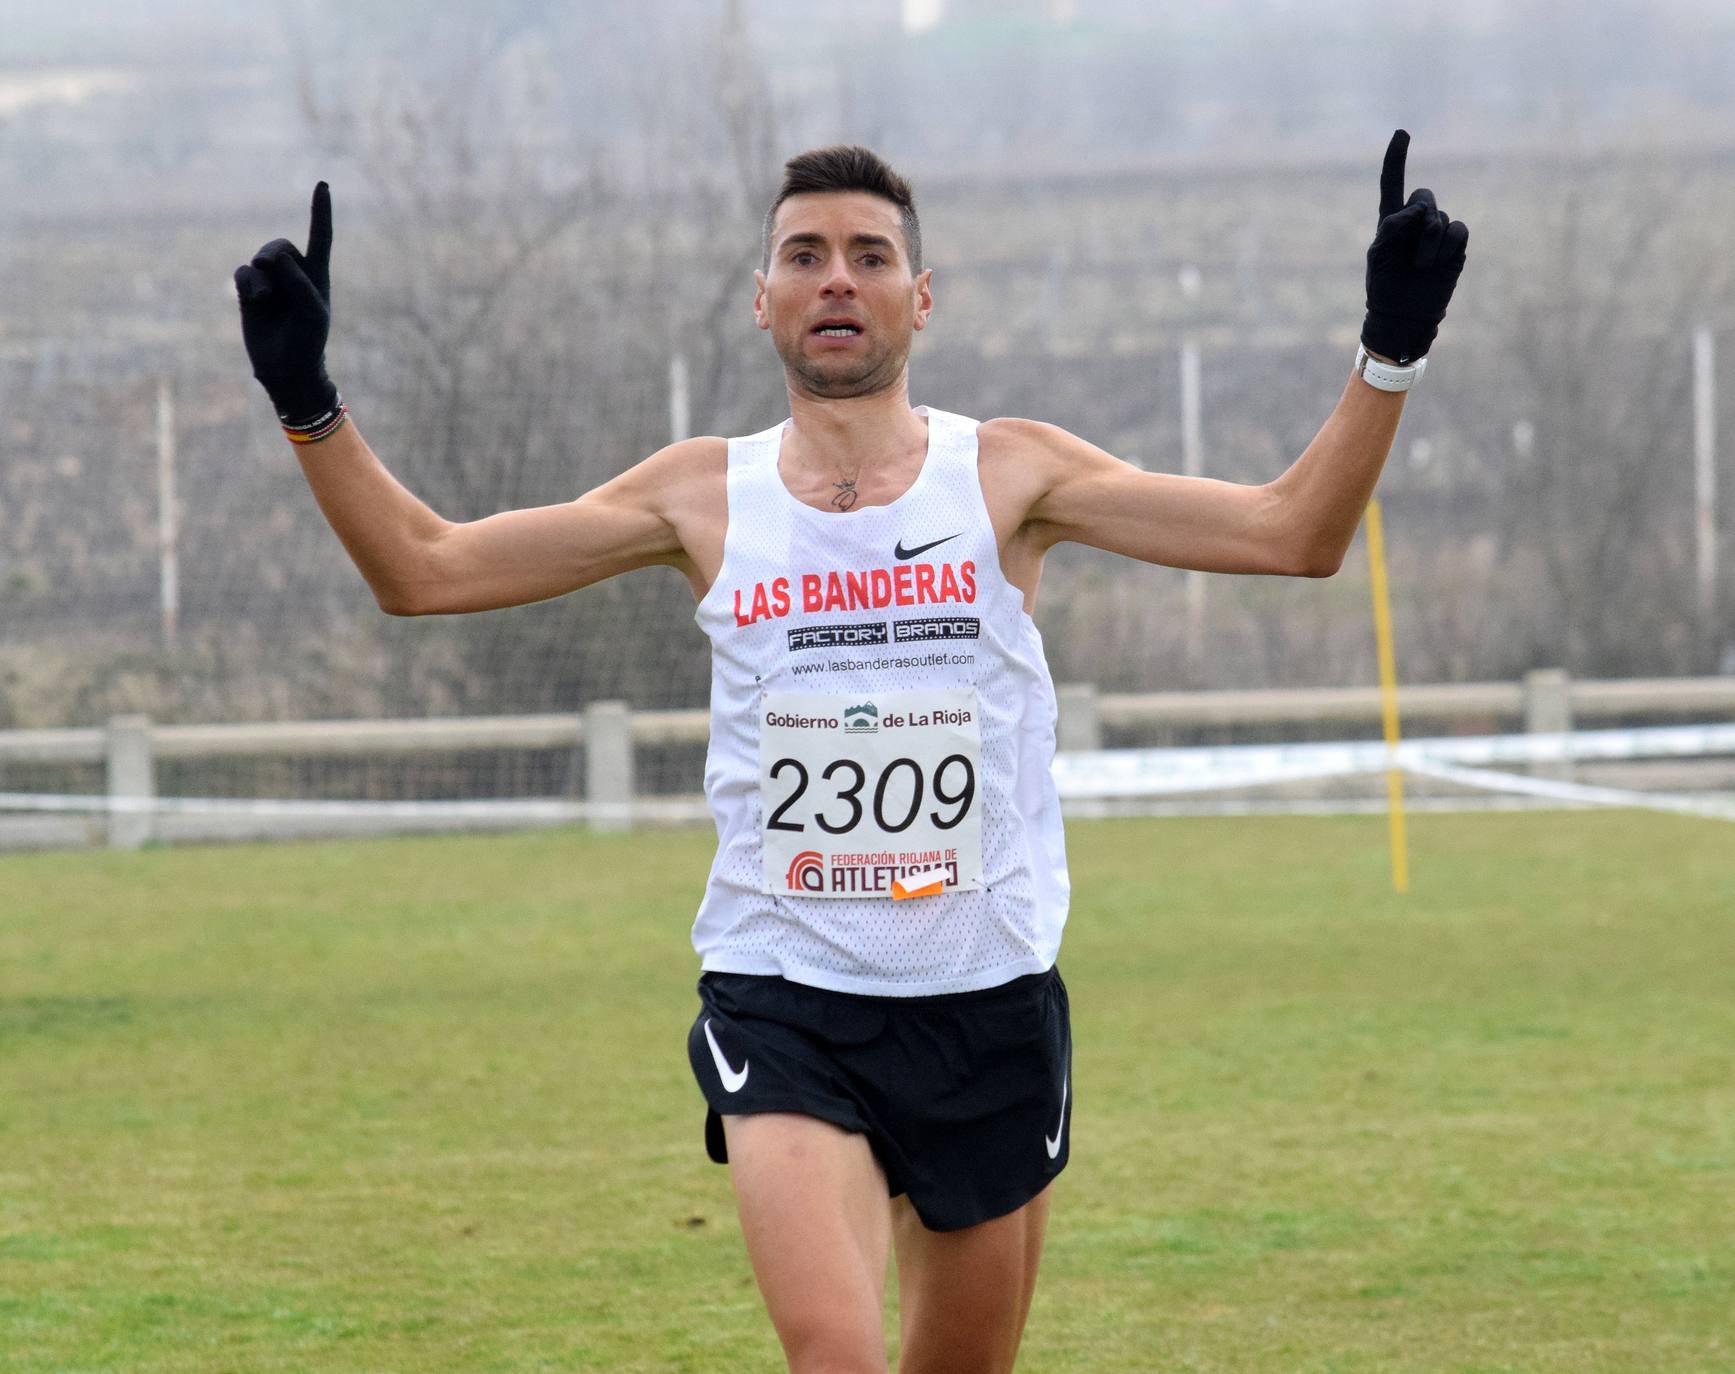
(541, 206)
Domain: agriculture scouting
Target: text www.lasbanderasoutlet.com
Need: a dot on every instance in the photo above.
(842, 665)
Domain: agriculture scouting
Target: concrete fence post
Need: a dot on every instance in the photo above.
(1080, 724)
(608, 760)
(1548, 710)
(132, 777)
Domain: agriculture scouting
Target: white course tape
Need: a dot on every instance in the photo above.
(1575, 792)
(647, 808)
(1156, 772)
(250, 806)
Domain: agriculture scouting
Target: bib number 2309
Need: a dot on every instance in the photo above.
(871, 796)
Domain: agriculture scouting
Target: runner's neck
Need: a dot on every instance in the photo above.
(849, 440)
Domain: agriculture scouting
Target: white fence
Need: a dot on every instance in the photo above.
(130, 811)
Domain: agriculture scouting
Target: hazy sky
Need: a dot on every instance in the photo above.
(179, 102)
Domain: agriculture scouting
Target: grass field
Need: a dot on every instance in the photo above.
(423, 1105)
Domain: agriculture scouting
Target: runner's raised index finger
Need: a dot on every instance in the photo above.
(1392, 174)
(318, 253)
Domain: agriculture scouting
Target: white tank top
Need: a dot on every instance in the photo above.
(882, 728)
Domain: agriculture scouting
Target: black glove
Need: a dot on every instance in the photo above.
(285, 317)
(1413, 264)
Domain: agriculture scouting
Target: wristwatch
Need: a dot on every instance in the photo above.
(1387, 376)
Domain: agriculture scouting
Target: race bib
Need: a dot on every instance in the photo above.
(877, 795)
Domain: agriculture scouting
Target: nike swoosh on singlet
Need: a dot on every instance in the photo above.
(902, 553)
(734, 1082)
(1053, 1143)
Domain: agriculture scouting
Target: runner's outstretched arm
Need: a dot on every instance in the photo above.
(1302, 522)
(416, 561)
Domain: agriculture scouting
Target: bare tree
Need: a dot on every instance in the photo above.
(509, 313)
(1595, 501)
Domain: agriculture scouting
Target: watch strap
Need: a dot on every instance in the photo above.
(1387, 376)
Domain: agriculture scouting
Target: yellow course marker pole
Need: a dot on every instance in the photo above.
(1388, 696)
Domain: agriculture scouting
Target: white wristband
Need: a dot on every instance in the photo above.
(1387, 376)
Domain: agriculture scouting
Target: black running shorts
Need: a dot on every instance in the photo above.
(965, 1098)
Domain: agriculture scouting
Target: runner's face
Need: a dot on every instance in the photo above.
(838, 260)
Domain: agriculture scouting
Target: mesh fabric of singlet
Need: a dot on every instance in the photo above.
(959, 940)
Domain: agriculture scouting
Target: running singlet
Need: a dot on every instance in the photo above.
(882, 725)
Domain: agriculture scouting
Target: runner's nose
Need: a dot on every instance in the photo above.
(839, 283)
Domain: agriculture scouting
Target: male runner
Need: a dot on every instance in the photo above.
(880, 1010)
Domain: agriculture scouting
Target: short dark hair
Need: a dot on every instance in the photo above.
(848, 167)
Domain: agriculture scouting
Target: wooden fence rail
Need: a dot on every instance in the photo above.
(610, 734)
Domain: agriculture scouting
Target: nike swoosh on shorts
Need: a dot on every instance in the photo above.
(901, 552)
(734, 1082)
(1053, 1143)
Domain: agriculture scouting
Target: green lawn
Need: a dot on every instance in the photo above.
(423, 1105)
